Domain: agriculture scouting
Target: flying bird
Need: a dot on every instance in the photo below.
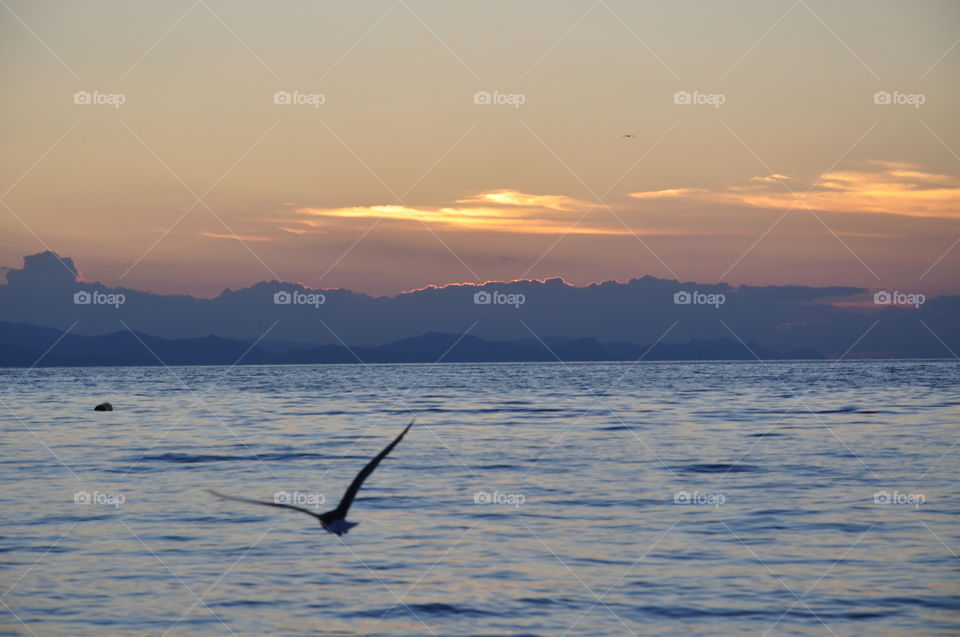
(333, 521)
(628, 135)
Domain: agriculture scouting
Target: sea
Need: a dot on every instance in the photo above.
(594, 499)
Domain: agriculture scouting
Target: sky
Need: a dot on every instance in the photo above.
(382, 146)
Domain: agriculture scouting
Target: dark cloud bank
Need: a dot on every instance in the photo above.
(510, 321)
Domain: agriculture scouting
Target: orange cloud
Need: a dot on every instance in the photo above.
(235, 237)
(882, 187)
(501, 211)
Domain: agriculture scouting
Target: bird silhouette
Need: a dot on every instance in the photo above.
(333, 521)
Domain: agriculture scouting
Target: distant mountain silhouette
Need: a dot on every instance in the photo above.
(293, 319)
(24, 345)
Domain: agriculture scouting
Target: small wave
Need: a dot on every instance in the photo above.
(186, 458)
(689, 612)
(840, 410)
(720, 467)
(434, 608)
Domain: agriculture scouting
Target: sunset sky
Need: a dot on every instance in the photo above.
(820, 144)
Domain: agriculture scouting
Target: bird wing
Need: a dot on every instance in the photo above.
(264, 503)
(351, 492)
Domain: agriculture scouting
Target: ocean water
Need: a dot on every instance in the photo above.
(795, 498)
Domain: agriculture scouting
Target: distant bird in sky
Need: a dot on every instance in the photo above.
(629, 135)
(333, 521)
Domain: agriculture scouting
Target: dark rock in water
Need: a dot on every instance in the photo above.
(103, 407)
